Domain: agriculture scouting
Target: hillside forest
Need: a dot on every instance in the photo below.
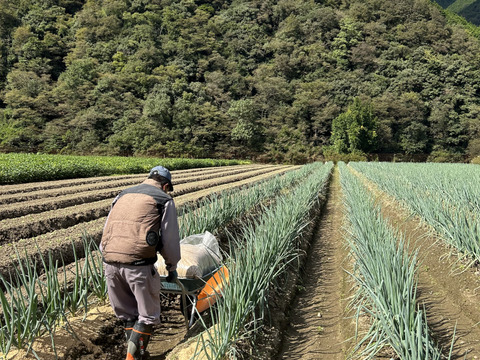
(469, 9)
(269, 80)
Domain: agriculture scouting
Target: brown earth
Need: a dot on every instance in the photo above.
(56, 184)
(318, 324)
(39, 223)
(268, 339)
(55, 197)
(449, 289)
(318, 327)
(32, 202)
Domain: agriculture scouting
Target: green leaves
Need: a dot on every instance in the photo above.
(349, 36)
(444, 195)
(385, 273)
(355, 129)
(91, 69)
(35, 304)
(266, 248)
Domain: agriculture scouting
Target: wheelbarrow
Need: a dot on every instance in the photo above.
(197, 294)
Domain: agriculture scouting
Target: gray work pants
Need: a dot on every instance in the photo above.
(134, 292)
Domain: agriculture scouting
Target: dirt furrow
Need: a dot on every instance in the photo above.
(41, 205)
(46, 185)
(20, 199)
(100, 336)
(35, 202)
(318, 325)
(184, 199)
(36, 224)
(31, 192)
(6, 190)
(449, 290)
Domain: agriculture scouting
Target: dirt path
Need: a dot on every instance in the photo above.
(7, 190)
(318, 326)
(168, 335)
(451, 297)
(36, 223)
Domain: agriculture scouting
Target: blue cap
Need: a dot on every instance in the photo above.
(160, 170)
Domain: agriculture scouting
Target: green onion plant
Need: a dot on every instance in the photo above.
(217, 210)
(386, 278)
(445, 196)
(263, 252)
(57, 296)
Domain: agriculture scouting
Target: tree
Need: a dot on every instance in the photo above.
(355, 129)
(414, 138)
(448, 131)
(158, 107)
(237, 78)
(350, 34)
(289, 145)
(244, 115)
(402, 121)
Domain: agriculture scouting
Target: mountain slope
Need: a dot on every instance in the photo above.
(469, 9)
(471, 12)
(263, 79)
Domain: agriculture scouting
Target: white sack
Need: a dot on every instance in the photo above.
(200, 255)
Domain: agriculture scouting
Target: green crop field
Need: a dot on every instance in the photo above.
(22, 168)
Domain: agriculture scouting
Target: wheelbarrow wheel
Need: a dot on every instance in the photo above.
(189, 311)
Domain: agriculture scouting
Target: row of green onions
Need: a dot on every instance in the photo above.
(37, 304)
(215, 211)
(263, 253)
(445, 196)
(386, 280)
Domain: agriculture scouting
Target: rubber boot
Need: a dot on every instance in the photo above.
(128, 327)
(138, 342)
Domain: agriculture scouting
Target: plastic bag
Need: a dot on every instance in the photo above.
(200, 255)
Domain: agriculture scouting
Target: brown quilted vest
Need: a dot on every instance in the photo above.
(136, 213)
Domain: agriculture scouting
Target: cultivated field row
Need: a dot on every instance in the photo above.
(446, 301)
(36, 223)
(232, 204)
(36, 201)
(448, 288)
(413, 300)
(258, 264)
(96, 181)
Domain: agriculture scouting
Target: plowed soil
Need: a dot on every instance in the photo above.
(317, 324)
(319, 327)
(89, 209)
(59, 230)
(14, 205)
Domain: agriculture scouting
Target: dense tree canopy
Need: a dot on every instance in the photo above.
(274, 80)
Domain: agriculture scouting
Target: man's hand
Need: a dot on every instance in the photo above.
(172, 276)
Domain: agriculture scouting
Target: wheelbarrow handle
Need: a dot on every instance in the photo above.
(188, 322)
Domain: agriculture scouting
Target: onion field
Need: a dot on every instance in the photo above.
(365, 260)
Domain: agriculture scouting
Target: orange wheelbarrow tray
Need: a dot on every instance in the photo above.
(201, 292)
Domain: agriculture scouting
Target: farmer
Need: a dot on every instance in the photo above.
(141, 222)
